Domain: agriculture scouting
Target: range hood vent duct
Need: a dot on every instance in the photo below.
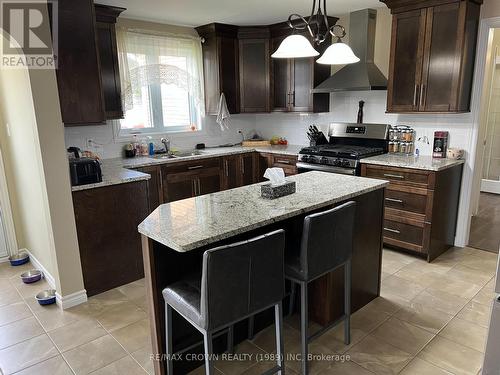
(364, 75)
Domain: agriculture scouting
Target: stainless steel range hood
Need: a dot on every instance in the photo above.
(364, 75)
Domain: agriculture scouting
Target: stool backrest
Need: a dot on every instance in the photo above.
(327, 240)
(242, 278)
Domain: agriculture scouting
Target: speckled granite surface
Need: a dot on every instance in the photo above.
(413, 162)
(190, 223)
(116, 171)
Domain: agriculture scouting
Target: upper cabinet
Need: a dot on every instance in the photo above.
(87, 75)
(433, 49)
(220, 66)
(254, 56)
(106, 17)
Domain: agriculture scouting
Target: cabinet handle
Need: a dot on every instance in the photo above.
(199, 186)
(392, 230)
(226, 168)
(161, 187)
(415, 95)
(422, 99)
(288, 101)
(394, 176)
(394, 200)
(242, 166)
(195, 167)
(282, 161)
(293, 100)
(193, 182)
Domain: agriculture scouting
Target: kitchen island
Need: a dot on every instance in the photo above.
(176, 234)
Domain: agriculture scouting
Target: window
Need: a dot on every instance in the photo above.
(161, 82)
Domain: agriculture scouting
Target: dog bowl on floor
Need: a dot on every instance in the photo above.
(46, 297)
(17, 260)
(31, 276)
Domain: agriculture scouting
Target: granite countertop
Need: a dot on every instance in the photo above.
(194, 222)
(427, 163)
(117, 171)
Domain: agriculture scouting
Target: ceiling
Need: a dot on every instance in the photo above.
(240, 12)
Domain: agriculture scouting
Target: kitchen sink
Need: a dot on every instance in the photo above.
(162, 156)
(177, 154)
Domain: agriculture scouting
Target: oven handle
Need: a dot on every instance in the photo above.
(324, 168)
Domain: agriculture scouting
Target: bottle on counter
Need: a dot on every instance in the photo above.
(144, 148)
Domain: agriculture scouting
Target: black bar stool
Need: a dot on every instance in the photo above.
(237, 281)
(326, 244)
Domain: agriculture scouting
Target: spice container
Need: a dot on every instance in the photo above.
(391, 147)
(403, 147)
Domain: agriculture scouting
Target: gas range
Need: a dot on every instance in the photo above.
(348, 143)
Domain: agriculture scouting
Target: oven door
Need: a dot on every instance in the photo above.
(306, 167)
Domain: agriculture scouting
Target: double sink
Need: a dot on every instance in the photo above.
(177, 155)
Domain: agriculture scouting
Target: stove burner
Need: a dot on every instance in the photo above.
(342, 151)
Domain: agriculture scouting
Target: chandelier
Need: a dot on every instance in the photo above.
(297, 45)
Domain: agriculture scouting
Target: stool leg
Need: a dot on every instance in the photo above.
(230, 340)
(209, 364)
(168, 337)
(303, 326)
(278, 320)
(347, 302)
(291, 306)
(251, 327)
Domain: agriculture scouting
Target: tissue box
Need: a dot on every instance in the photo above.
(269, 191)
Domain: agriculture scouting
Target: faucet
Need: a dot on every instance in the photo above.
(166, 143)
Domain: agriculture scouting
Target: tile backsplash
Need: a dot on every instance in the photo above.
(293, 126)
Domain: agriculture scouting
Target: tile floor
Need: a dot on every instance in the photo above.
(429, 319)
(483, 231)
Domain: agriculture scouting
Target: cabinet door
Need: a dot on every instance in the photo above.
(254, 75)
(178, 186)
(78, 72)
(405, 68)
(247, 169)
(155, 188)
(302, 83)
(280, 80)
(110, 75)
(442, 58)
(209, 181)
(231, 171)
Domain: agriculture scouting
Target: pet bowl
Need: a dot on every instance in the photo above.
(32, 276)
(46, 297)
(17, 260)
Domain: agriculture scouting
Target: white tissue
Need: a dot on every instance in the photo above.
(275, 175)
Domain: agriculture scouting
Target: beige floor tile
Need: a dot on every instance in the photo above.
(384, 275)
(424, 317)
(390, 267)
(397, 256)
(18, 331)
(403, 335)
(379, 357)
(368, 318)
(143, 356)
(51, 316)
(346, 368)
(490, 286)
(260, 368)
(127, 365)
(14, 312)
(401, 287)
(134, 336)
(440, 300)
(388, 303)
(142, 302)
(470, 275)
(77, 333)
(487, 265)
(201, 371)
(7, 271)
(94, 307)
(132, 290)
(94, 355)
(420, 367)
(29, 290)
(334, 339)
(439, 265)
(110, 296)
(465, 333)
(315, 350)
(237, 366)
(53, 366)
(476, 313)
(420, 276)
(456, 358)
(266, 339)
(485, 296)
(9, 295)
(294, 322)
(26, 353)
(121, 315)
(456, 287)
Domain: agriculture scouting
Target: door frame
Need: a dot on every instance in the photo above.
(8, 221)
(471, 185)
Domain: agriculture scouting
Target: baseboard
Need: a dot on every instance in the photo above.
(490, 186)
(39, 266)
(4, 259)
(65, 302)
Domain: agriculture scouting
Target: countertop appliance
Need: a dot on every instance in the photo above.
(491, 365)
(84, 171)
(347, 144)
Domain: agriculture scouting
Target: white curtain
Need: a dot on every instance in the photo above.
(147, 58)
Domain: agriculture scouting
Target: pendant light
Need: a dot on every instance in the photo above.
(298, 46)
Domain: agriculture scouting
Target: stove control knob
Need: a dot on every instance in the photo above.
(324, 160)
(337, 162)
(345, 163)
(305, 158)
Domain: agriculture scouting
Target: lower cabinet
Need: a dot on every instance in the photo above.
(287, 162)
(155, 190)
(110, 245)
(239, 170)
(421, 207)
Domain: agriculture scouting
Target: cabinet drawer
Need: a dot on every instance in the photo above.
(195, 165)
(409, 201)
(403, 176)
(287, 162)
(405, 235)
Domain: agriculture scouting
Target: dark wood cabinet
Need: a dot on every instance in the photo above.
(106, 17)
(287, 162)
(432, 55)
(248, 168)
(230, 170)
(155, 188)
(78, 73)
(239, 170)
(220, 66)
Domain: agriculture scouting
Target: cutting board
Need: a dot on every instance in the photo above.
(250, 143)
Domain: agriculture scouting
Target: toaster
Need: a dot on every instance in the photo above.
(84, 171)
